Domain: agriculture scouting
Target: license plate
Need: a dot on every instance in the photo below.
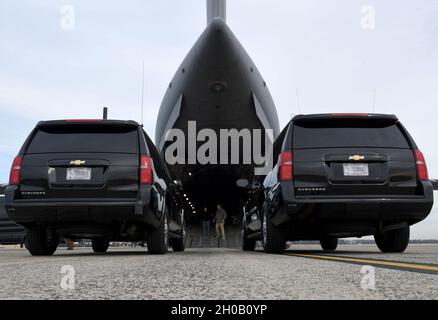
(356, 170)
(78, 174)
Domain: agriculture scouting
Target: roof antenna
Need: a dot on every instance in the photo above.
(142, 95)
(298, 101)
(374, 100)
(105, 113)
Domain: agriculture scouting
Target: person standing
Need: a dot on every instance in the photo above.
(219, 218)
(206, 221)
(70, 243)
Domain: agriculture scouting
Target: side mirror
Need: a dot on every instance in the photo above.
(242, 183)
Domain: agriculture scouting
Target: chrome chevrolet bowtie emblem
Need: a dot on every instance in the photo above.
(77, 162)
(356, 158)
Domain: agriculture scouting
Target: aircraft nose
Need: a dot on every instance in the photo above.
(218, 45)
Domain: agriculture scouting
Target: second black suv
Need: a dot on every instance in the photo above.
(97, 179)
(342, 175)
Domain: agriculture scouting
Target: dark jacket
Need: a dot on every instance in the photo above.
(221, 215)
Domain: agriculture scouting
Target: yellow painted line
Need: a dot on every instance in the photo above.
(366, 261)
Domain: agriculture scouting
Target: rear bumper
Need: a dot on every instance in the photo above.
(376, 209)
(12, 237)
(81, 210)
(10, 232)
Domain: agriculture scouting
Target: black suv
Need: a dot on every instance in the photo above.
(97, 179)
(342, 175)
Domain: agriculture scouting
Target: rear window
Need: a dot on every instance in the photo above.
(85, 138)
(340, 133)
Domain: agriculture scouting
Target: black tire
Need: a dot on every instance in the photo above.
(158, 239)
(100, 245)
(329, 244)
(247, 244)
(395, 241)
(179, 245)
(273, 237)
(39, 242)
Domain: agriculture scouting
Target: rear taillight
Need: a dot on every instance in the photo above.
(146, 173)
(15, 175)
(285, 172)
(420, 161)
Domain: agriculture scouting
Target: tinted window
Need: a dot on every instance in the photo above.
(348, 133)
(85, 138)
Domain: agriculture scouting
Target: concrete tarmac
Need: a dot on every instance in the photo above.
(302, 272)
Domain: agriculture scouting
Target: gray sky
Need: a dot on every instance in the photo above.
(319, 47)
